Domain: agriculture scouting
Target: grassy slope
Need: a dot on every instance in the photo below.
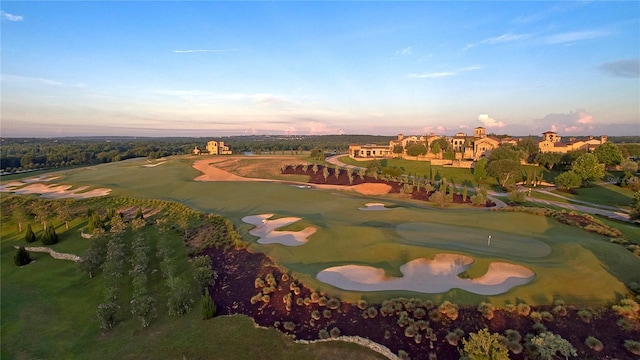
(49, 311)
(605, 194)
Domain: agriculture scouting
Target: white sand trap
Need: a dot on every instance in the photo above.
(373, 207)
(154, 165)
(429, 276)
(53, 191)
(266, 230)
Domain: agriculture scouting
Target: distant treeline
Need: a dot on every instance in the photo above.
(19, 154)
(34, 153)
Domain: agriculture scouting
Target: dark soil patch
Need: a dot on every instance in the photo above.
(309, 313)
(333, 176)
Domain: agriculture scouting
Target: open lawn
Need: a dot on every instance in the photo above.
(603, 194)
(346, 235)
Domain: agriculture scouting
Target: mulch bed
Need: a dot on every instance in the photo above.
(342, 178)
(235, 286)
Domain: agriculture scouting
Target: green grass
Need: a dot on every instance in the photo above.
(604, 194)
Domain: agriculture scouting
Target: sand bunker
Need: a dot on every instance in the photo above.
(53, 191)
(429, 276)
(266, 230)
(373, 207)
(154, 165)
(213, 173)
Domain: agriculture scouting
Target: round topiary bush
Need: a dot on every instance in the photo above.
(594, 344)
(334, 332)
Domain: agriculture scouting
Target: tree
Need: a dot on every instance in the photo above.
(398, 149)
(435, 148)
(317, 154)
(203, 273)
(630, 167)
(416, 149)
(506, 152)
(587, 167)
(503, 170)
(18, 213)
(484, 346)
(50, 237)
(547, 345)
(139, 214)
(22, 257)
(64, 214)
(208, 306)
(443, 143)
(608, 154)
(548, 159)
(480, 170)
(29, 236)
(635, 206)
(568, 180)
(529, 147)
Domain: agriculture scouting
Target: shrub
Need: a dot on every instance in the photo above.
(208, 306)
(333, 303)
(334, 332)
(547, 345)
(299, 301)
(50, 237)
(372, 312)
(403, 355)
(512, 335)
(326, 314)
(315, 314)
(284, 277)
(484, 345)
(322, 301)
(419, 313)
(535, 316)
(22, 257)
(627, 308)
(107, 315)
(258, 283)
(594, 344)
(362, 304)
(517, 197)
(486, 309)
(288, 325)
(453, 337)
(585, 315)
(560, 310)
(29, 235)
(411, 331)
(546, 316)
(387, 334)
(435, 315)
(323, 334)
(449, 309)
(632, 346)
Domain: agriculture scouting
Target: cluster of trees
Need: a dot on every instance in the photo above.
(579, 167)
(19, 154)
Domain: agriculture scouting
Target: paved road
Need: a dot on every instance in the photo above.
(334, 160)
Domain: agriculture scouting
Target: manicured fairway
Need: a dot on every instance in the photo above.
(557, 253)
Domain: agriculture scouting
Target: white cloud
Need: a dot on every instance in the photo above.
(504, 38)
(440, 74)
(571, 37)
(576, 122)
(406, 51)
(203, 51)
(10, 17)
(489, 122)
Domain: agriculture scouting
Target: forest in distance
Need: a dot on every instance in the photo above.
(21, 154)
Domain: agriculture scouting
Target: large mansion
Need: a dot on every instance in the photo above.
(468, 147)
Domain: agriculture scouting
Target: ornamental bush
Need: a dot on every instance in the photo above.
(22, 257)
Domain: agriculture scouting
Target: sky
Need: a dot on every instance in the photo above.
(209, 68)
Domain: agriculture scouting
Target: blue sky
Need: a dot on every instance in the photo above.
(231, 68)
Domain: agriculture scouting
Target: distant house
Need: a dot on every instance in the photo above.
(369, 151)
(552, 143)
(195, 151)
(217, 148)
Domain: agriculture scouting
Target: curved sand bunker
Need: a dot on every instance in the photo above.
(429, 276)
(374, 207)
(266, 230)
(53, 191)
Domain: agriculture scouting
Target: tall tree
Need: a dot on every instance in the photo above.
(588, 168)
(503, 170)
(568, 180)
(608, 154)
(480, 170)
(29, 236)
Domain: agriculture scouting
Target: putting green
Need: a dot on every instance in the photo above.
(471, 239)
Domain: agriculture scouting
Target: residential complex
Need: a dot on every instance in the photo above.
(466, 147)
(217, 148)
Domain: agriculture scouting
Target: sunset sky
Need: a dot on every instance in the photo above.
(160, 68)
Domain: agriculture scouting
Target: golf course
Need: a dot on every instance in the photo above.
(358, 244)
